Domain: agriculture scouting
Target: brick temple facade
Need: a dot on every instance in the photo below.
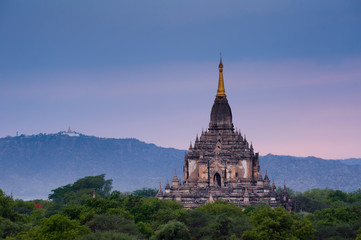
(223, 165)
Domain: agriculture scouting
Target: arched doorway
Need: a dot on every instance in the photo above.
(217, 179)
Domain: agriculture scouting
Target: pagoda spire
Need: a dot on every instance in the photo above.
(220, 91)
(266, 177)
(160, 192)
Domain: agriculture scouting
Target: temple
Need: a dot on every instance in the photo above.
(223, 165)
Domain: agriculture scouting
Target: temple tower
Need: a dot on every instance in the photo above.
(221, 164)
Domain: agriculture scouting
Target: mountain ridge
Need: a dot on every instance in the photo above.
(32, 165)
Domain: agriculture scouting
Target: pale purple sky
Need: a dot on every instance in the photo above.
(148, 70)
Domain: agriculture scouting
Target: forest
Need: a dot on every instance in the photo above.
(88, 209)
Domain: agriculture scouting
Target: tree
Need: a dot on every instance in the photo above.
(221, 207)
(6, 207)
(173, 230)
(9, 228)
(317, 194)
(221, 227)
(145, 229)
(146, 192)
(337, 195)
(81, 190)
(108, 236)
(148, 209)
(305, 204)
(278, 224)
(359, 235)
(98, 183)
(73, 211)
(59, 193)
(336, 222)
(200, 223)
(24, 208)
(106, 222)
(354, 196)
(57, 227)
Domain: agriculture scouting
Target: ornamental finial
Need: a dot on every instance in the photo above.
(220, 90)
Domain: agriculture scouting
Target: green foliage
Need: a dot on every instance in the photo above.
(278, 224)
(73, 213)
(331, 216)
(57, 227)
(221, 227)
(36, 216)
(105, 222)
(167, 213)
(354, 196)
(29, 211)
(218, 220)
(60, 192)
(173, 230)
(11, 222)
(336, 222)
(6, 207)
(100, 205)
(82, 189)
(9, 228)
(145, 229)
(23, 207)
(308, 205)
(148, 209)
(199, 223)
(337, 195)
(337, 231)
(221, 207)
(222, 219)
(318, 199)
(146, 192)
(31, 234)
(98, 183)
(317, 194)
(239, 225)
(359, 234)
(121, 212)
(77, 196)
(50, 208)
(60, 227)
(108, 236)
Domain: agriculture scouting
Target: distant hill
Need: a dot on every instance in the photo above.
(30, 166)
(352, 161)
(302, 173)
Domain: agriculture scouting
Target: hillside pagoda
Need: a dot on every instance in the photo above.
(223, 165)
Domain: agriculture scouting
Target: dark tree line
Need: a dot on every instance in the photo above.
(73, 213)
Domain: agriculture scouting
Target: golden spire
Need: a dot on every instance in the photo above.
(220, 90)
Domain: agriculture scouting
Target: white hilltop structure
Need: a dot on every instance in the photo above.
(70, 133)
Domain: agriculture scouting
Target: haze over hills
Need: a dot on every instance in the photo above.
(33, 165)
(30, 166)
(302, 173)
